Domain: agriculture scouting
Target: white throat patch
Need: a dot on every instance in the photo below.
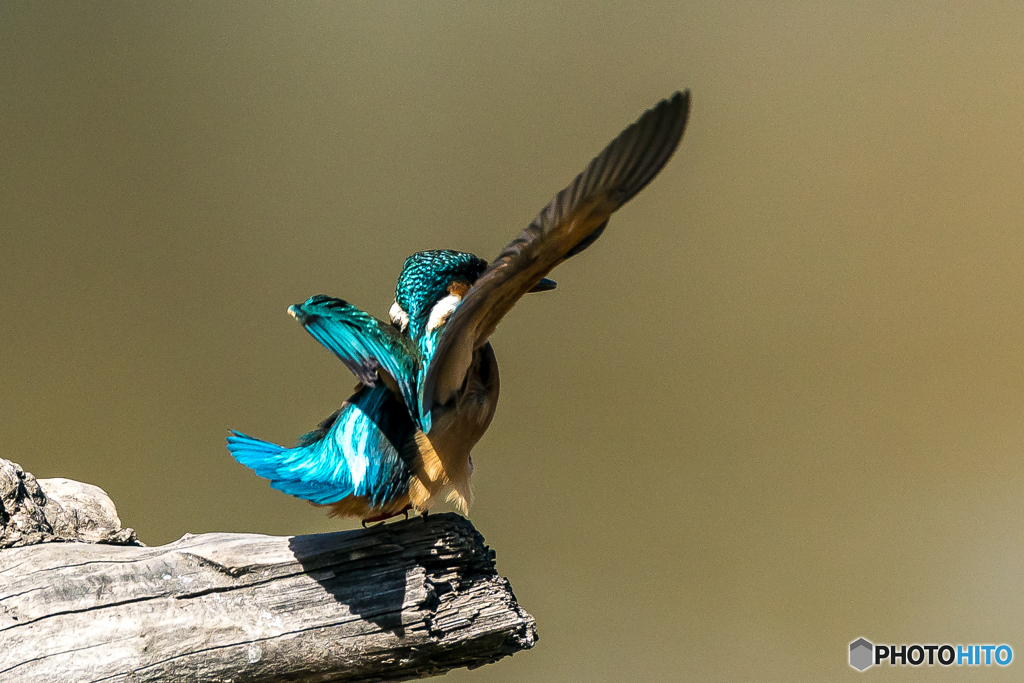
(441, 311)
(399, 317)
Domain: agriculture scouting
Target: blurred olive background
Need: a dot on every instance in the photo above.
(778, 406)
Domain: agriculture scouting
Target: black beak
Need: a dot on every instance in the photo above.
(545, 285)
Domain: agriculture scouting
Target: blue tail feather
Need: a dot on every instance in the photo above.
(283, 467)
(355, 452)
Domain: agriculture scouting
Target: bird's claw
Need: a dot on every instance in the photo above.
(383, 518)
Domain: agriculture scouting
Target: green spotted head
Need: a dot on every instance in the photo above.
(431, 285)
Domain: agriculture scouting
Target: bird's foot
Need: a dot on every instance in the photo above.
(385, 517)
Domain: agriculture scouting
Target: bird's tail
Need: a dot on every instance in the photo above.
(262, 457)
(295, 471)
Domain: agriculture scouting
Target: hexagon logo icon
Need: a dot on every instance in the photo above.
(861, 654)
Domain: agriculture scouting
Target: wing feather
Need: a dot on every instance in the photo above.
(363, 343)
(566, 226)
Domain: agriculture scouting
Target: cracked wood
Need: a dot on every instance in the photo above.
(404, 600)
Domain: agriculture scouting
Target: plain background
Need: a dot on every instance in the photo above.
(778, 406)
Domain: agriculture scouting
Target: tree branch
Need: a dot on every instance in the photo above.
(403, 600)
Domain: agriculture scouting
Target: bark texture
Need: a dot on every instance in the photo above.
(403, 600)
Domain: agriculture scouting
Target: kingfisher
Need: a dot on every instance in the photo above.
(428, 378)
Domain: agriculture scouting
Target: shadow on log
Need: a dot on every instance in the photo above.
(404, 600)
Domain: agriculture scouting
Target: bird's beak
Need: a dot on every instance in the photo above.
(545, 285)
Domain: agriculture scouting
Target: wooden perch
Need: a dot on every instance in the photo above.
(403, 600)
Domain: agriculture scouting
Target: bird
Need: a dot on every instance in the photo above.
(428, 378)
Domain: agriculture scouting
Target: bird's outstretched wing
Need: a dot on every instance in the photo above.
(570, 223)
(363, 343)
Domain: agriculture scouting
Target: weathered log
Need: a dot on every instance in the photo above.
(67, 511)
(403, 600)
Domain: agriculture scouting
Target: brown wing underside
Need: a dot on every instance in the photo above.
(567, 225)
